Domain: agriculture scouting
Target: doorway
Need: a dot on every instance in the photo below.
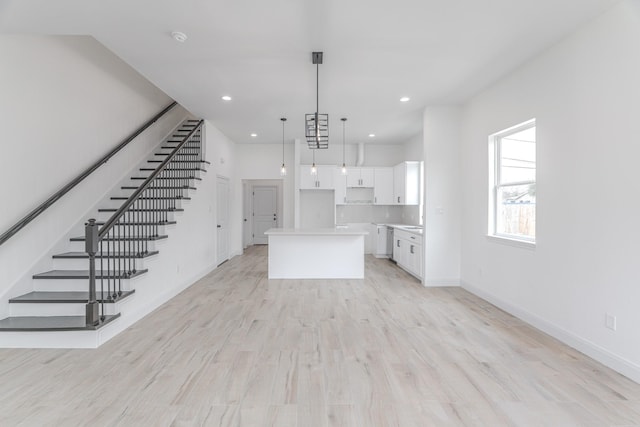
(222, 219)
(262, 209)
(265, 212)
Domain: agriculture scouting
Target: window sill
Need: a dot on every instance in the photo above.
(525, 244)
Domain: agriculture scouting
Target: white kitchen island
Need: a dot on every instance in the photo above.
(323, 253)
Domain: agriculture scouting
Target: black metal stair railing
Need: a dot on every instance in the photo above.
(124, 238)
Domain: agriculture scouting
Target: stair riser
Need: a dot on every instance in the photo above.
(165, 182)
(170, 216)
(80, 246)
(176, 203)
(192, 172)
(83, 264)
(56, 309)
(127, 192)
(74, 285)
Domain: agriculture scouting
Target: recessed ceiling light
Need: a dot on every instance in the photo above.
(405, 99)
(253, 135)
(226, 98)
(372, 135)
(179, 36)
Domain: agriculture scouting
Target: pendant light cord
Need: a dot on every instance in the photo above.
(317, 105)
(344, 120)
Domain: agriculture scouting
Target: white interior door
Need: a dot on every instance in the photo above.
(265, 212)
(247, 229)
(223, 219)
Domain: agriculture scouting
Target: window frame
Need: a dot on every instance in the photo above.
(495, 185)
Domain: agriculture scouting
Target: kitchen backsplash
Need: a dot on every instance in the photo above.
(377, 214)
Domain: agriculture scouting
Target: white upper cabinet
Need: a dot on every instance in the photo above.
(360, 177)
(406, 183)
(383, 186)
(323, 180)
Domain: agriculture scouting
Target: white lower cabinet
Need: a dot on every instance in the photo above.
(381, 241)
(407, 251)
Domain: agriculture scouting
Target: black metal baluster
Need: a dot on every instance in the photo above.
(102, 255)
(136, 214)
(134, 257)
(120, 245)
(109, 263)
(147, 220)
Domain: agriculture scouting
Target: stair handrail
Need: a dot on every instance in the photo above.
(93, 234)
(64, 190)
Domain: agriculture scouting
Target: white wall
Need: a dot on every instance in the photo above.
(374, 154)
(66, 101)
(585, 95)
(414, 148)
(221, 152)
(441, 133)
(263, 161)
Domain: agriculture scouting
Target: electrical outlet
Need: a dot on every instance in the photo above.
(610, 321)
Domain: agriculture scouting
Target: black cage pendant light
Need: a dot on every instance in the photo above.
(283, 169)
(316, 124)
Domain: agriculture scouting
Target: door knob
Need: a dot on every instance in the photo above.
(219, 226)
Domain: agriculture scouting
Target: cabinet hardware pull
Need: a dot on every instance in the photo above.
(411, 249)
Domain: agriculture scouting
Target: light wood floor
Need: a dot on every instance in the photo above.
(237, 349)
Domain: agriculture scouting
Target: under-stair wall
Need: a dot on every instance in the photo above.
(66, 102)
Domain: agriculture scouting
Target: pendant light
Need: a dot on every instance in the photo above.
(344, 166)
(316, 124)
(314, 169)
(283, 169)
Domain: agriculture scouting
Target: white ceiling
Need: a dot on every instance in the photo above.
(259, 52)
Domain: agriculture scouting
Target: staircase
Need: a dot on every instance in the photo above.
(99, 271)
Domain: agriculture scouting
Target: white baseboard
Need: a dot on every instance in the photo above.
(602, 355)
(435, 283)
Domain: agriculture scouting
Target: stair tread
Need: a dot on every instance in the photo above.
(50, 323)
(84, 255)
(184, 187)
(142, 178)
(174, 169)
(83, 274)
(154, 198)
(142, 210)
(159, 237)
(140, 223)
(180, 161)
(64, 297)
(167, 145)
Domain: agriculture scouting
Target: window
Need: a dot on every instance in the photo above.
(512, 205)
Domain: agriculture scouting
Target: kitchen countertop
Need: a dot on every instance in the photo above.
(416, 229)
(338, 231)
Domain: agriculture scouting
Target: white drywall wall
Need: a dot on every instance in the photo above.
(221, 153)
(585, 96)
(263, 161)
(66, 101)
(374, 154)
(441, 135)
